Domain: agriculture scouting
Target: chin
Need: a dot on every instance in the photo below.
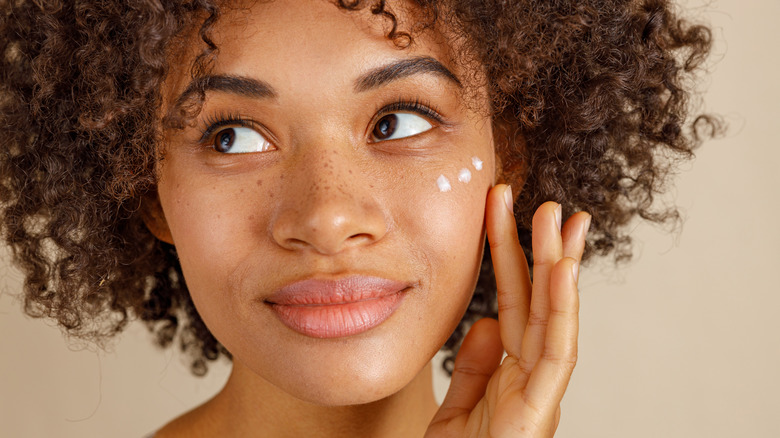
(353, 381)
(344, 371)
(355, 394)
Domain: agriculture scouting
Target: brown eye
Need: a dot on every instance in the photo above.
(385, 127)
(223, 142)
(240, 140)
(399, 125)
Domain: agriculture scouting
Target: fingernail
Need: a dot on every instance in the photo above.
(575, 271)
(508, 199)
(586, 227)
(558, 216)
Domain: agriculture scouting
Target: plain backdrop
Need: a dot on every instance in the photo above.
(682, 342)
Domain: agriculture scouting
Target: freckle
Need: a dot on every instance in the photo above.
(271, 195)
(350, 171)
(242, 190)
(259, 182)
(281, 176)
(251, 217)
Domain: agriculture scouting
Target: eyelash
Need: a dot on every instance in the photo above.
(415, 106)
(216, 121)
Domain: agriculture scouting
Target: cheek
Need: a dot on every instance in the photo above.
(448, 229)
(452, 205)
(453, 219)
(448, 225)
(204, 219)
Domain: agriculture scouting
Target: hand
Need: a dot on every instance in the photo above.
(537, 327)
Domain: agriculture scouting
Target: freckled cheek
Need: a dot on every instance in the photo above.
(205, 221)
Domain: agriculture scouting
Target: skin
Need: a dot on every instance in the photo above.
(327, 201)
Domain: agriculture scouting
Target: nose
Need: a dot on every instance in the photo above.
(328, 205)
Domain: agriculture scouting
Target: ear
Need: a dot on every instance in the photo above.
(154, 217)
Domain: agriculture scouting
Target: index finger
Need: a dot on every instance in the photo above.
(513, 282)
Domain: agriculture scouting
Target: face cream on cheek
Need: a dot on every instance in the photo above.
(443, 183)
(476, 162)
(464, 175)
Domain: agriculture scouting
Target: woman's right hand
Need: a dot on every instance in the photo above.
(537, 327)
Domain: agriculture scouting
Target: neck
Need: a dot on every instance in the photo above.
(250, 406)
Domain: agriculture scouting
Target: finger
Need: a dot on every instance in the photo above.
(550, 376)
(547, 250)
(574, 231)
(513, 283)
(477, 360)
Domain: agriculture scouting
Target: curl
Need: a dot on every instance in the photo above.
(589, 100)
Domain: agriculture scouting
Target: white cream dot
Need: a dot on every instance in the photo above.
(464, 175)
(443, 183)
(477, 163)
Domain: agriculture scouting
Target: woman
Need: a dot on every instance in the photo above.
(322, 177)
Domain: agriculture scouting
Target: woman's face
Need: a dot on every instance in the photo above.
(308, 204)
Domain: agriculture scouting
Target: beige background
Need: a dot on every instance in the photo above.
(683, 342)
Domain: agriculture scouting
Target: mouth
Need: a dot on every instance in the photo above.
(337, 308)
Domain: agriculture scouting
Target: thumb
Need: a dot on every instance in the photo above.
(477, 360)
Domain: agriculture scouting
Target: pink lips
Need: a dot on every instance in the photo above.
(336, 308)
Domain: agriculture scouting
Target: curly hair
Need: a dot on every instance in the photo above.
(590, 98)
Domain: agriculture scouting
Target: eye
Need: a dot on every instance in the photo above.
(399, 125)
(240, 140)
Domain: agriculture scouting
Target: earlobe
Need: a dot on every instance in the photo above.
(154, 218)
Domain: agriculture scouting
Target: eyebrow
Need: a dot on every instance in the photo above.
(240, 85)
(406, 67)
(370, 80)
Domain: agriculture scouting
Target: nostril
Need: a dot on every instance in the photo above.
(329, 224)
(295, 244)
(361, 238)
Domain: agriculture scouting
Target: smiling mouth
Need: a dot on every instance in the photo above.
(337, 308)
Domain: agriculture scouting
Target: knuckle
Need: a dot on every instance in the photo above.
(496, 243)
(544, 261)
(468, 370)
(567, 361)
(525, 365)
(565, 313)
(537, 320)
(509, 300)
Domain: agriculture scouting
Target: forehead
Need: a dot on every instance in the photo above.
(284, 41)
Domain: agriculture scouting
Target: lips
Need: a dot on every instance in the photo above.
(337, 308)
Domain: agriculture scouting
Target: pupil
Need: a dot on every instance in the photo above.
(225, 140)
(386, 127)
